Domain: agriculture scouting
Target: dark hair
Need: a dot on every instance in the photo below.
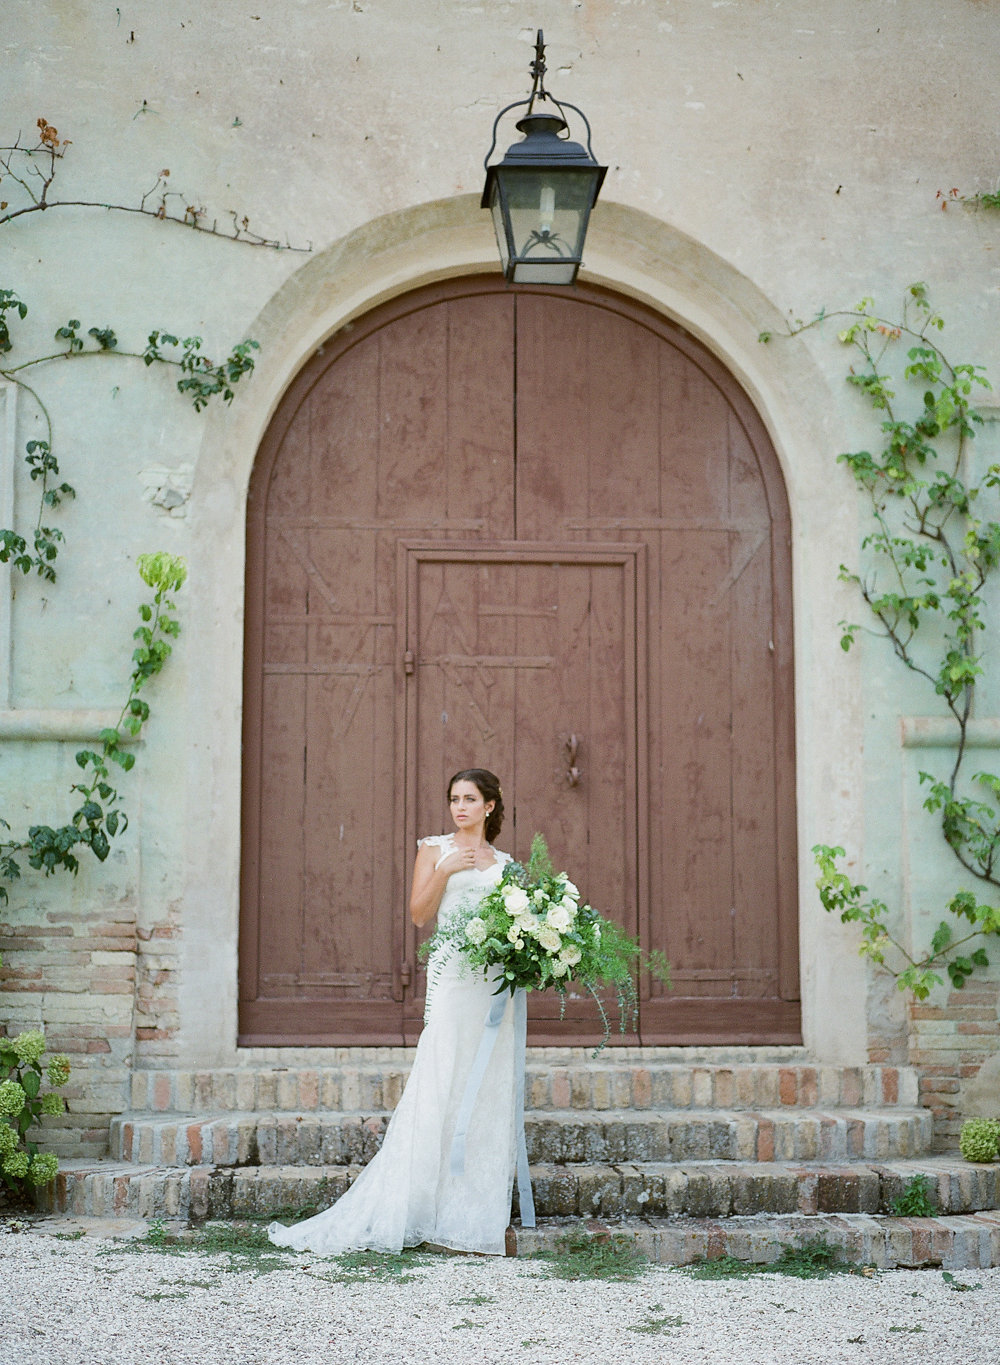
(488, 785)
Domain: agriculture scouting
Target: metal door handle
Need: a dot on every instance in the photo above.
(573, 773)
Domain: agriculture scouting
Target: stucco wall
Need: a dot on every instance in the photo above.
(765, 160)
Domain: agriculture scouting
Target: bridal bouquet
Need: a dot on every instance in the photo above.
(536, 929)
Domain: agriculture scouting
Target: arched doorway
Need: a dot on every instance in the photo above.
(534, 531)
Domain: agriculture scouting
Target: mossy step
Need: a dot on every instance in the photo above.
(619, 1079)
(654, 1189)
(316, 1139)
(961, 1242)
(953, 1242)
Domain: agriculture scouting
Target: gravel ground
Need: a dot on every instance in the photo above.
(94, 1301)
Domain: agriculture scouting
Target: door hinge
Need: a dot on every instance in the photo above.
(409, 662)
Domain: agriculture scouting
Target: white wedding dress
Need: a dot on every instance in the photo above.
(407, 1194)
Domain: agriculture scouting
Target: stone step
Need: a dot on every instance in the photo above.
(654, 1190)
(557, 1078)
(957, 1243)
(574, 1135)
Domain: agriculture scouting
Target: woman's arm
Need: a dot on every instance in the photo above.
(429, 881)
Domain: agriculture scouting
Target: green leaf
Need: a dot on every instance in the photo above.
(31, 1082)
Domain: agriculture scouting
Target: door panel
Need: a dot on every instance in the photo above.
(516, 650)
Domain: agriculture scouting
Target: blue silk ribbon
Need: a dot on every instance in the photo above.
(491, 1029)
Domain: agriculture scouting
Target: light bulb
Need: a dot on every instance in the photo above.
(546, 210)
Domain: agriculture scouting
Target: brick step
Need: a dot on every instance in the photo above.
(556, 1136)
(720, 1190)
(956, 1243)
(557, 1078)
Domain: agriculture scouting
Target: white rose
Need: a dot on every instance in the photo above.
(572, 891)
(539, 896)
(559, 968)
(548, 939)
(527, 924)
(475, 930)
(515, 899)
(570, 905)
(558, 918)
(570, 954)
(519, 944)
(513, 934)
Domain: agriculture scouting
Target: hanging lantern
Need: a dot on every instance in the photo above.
(541, 193)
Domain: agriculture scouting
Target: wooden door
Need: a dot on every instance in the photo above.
(485, 520)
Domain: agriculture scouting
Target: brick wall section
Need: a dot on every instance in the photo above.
(156, 1009)
(948, 1044)
(72, 973)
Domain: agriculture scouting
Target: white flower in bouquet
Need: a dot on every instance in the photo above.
(539, 896)
(570, 906)
(528, 924)
(558, 917)
(548, 939)
(559, 968)
(570, 954)
(475, 930)
(515, 900)
(571, 891)
(513, 934)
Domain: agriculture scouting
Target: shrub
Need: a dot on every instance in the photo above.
(22, 1166)
(979, 1139)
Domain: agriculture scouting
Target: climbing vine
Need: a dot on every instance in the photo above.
(99, 816)
(930, 559)
(28, 172)
(201, 380)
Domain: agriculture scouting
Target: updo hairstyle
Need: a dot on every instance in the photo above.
(488, 785)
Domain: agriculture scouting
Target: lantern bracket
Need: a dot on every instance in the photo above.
(538, 92)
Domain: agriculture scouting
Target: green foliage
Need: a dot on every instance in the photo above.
(201, 380)
(979, 1139)
(814, 1260)
(959, 1286)
(22, 1107)
(653, 1325)
(381, 1267)
(917, 1199)
(98, 817)
(580, 1255)
(928, 563)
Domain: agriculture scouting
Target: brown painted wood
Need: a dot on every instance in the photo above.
(572, 517)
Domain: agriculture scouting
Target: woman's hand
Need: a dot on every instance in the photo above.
(458, 861)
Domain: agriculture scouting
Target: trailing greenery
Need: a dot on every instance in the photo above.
(930, 559)
(99, 816)
(979, 1140)
(201, 380)
(22, 1106)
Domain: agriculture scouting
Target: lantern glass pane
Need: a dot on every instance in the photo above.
(499, 227)
(548, 210)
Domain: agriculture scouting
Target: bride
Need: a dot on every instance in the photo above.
(408, 1193)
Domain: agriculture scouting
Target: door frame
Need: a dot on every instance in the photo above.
(631, 556)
